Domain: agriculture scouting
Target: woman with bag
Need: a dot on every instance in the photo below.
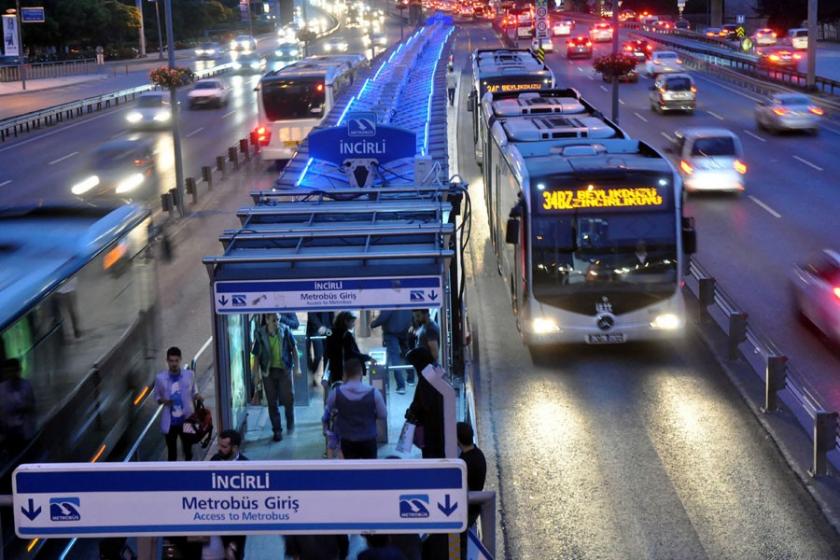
(426, 409)
(340, 346)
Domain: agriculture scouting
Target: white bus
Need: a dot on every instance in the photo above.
(295, 99)
(503, 70)
(588, 230)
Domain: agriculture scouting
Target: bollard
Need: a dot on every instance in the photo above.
(220, 163)
(233, 157)
(176, 203)
(775, 377)
(191, 188)
(166, 202)
(825, 437)
(706, 295)
(243, 148)
(207, 176)
(737, 333)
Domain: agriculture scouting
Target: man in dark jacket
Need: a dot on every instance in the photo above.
(358, 407)
(395, 324)
(277, 357)
(318, 324)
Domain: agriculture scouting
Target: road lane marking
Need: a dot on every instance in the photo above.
(56, 131)
(621, 101)
(767, 208)
(194, 132)
(590, 76)
(4, 183)
(715, 115)
(667, 136)
(733, 90)
(580, 68)
(62, 158)
(641, 117)
(754, 135)
(808, 163)
(229, 113)
(604, 88)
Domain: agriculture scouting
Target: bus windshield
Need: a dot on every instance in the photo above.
(617, 250)
(515, 83)
(300, 98)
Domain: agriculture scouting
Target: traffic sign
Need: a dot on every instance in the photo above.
(540, 23)
(264, 296)
(32, 14)
(362, 138)
(230, 498)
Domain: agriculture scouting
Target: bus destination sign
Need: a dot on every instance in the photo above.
(493, 88)
(603, 198)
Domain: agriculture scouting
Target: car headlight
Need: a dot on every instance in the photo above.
(666, 322)
(233, 44)
(134, 117)
(255, 65)
(327, 47)
(82, 187)
(130, 183)
(541, 325)
(237, 65)
(211, 51)
(163, 116)
(293, 52)
(199, 52)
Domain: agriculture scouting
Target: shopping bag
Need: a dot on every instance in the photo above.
(406, 440)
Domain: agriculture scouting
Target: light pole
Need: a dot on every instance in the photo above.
(615, 6)
(21, 50)
(173, 103)
(811, 79)
(160, 33)
(139, 5)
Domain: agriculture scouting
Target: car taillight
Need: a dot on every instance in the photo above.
(262, 135)
(816, 110)
(780, 111)
(740, 166)
(836, 292)
(797, 56)
(693, 89)
(589, 43)
(773, 34)
(774, 57)
(686, 167)
(679, 61)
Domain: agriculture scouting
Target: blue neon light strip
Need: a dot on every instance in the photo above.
(425, 147)
(364, 86)
(302, 175)
(344, 113)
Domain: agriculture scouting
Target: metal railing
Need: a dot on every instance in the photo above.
(39, 70)
(782, 382)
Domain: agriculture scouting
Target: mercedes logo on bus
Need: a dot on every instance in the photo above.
(606, 322)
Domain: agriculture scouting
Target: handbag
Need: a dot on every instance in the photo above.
(199, 426)
(406, 439)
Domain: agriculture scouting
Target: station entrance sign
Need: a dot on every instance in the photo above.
(361, 137)
(263, 296)
(235, 498)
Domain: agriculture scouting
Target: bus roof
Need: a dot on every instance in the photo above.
(327, 67)
(501, 62)
(41, 246)
(525, 103)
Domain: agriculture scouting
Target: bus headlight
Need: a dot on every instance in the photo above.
(130, 183)
(666, 322)
(134, 117)
(541, 325)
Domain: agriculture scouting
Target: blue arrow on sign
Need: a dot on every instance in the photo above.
(447, 508)
(223, 300)
(433, 295)
(32, 512)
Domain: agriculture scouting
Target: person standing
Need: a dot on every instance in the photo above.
(232, 546)
(277, 357)
(476, 474)
(358, 406)
(395, 325)
(426, 409)
(341, 346)
(428, 333)
(318, 324)
(175, 390)
(100, 55)
(451, 83)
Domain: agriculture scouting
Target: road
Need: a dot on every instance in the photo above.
(627, 452)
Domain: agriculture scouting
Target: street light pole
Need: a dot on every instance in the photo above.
(173, 103)
(615, 6)
(21, 50)
(160, 33)
(139, 5)
(811, 79)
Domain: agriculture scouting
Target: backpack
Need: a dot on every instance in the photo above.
(198, 428)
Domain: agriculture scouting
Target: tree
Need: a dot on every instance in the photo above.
(615, 66)
(783, 14)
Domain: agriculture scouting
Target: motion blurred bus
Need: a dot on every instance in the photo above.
(503, 70)
(588, 228)
(295, 99)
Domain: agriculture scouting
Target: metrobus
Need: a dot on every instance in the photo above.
(79, 311)
(296, 98)
(503, 70)
(588, 230)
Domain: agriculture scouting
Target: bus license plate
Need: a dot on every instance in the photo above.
(291, 143)
(617, 338)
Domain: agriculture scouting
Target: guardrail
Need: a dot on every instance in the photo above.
(14, 126)
(38, 70)
(782, 382)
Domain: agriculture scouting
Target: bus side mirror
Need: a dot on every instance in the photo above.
(689, 236)
(512, 231)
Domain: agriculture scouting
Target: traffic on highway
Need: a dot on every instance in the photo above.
(591, 171)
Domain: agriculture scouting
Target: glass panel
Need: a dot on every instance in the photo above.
(238, 355)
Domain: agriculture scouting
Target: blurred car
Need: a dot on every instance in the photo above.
(778, 57)
(601, 32)
(123, 168)
(673, 92)
(663, 25)
(626, 15)
(579, 47)
(208, 92)
(764, 37)
(335, 45)
(816, 292)
(249, 63)
(798, 38)
(729, 31)
(379, 39)
(563, 27)
(712, 32)
(243, 43)
(152, 111)
(209, 51)
(289, 50)
(544, 42)
(638, 49)
(663, 62)
(710, 159)
(788, 111)
(683, 24)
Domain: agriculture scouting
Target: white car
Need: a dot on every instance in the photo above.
(208, 92)
(545, 42)
(798, 38)
(601, 32)
(335, 46)
(788, 111)
(243, 43)
(152, 111)
(710, 159)
(562, 27)
(764, 37)
(663, 62)
(816, 290)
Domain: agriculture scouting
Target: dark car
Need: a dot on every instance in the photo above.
(683, 24)
(579, 47)
(729, 31)
(250, 63)
(123, 168)
(638, 49)
(779, 58)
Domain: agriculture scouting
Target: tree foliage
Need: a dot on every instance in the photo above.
(614, 66)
